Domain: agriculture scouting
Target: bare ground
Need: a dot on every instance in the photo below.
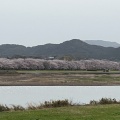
(59, 79)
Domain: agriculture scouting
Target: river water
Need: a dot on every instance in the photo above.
(22, 95)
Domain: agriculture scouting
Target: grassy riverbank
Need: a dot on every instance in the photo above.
(59, 78)
(87, 112)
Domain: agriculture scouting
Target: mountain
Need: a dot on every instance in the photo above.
(103, 43)
(75, 49)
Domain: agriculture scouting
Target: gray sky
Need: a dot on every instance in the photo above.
(36, 22)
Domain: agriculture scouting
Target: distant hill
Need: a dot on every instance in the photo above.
(103, 43)
(75, 49)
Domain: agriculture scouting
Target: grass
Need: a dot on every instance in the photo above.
(46, 104)
(68, 71)
(88, 112)
(60, 78)
(104, 109)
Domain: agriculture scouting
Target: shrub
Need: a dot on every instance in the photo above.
(93, 102)
(107, 101)
(32, 107)
(4, 108)
(57, 103)
(17, 107)
(104, 101)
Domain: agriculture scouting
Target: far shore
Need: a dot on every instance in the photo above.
(59, 78)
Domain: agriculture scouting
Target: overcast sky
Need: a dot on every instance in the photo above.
(36, 22)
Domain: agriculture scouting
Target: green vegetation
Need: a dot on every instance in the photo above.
(104, 101)
(56, 103)
(59, 77)
(104, 109)
(46, 104)
(8, 72)
(67, 77)
(68, 71)
(75, 48)
(90, 112)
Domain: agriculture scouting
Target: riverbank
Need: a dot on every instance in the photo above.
(59, 78)
(88, 112)
(55, 104)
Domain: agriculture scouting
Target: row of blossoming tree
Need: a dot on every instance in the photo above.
(40, 64)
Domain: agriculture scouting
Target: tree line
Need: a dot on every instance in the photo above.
(40, 64)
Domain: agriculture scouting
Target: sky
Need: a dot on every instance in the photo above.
(37, 22)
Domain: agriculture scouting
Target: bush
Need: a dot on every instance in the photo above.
(17, 107)
(93, 102)
(4, 108)
(104, 101)
(57, 103)
(108, 101)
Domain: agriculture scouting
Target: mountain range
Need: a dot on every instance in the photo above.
(75, 48)
(103, 43)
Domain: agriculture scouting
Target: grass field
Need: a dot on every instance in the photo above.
(90, 112)
(59, 78)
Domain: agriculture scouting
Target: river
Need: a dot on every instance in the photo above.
(22, 95)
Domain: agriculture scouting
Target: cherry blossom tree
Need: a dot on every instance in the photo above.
(40, 64)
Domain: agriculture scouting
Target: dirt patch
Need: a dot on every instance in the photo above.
(59, 79)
